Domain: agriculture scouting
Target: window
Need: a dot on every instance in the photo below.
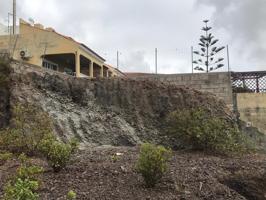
(50, 65)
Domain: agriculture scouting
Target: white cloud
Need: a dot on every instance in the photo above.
(135, 28)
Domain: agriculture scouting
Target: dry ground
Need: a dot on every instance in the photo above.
(96, 174)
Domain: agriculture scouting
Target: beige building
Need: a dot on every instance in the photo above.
(44, 47)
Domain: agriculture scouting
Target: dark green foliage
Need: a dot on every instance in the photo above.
(197, 129)
(152, 163)
(208, 50)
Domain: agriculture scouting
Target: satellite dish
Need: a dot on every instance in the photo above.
(31, 21)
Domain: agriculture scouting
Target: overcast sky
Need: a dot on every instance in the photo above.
(136, 27)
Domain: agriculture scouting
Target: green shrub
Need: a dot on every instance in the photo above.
(28, 127)
(74, 143)
(197, 129)
(57, 153)
(71, 195)
(24, 185)
(114, 158)
(21, 190)
(5, 156)
(152, 163)
(27, 170)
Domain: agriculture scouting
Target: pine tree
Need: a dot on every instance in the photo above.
(208, 51)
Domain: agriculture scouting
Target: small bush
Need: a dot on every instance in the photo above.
(152, 163)
(4, 157)
(28, 127)
(71, 195)
(27, 170)
(197, 129)
(24, 185)
(22, 190)
(57, 153)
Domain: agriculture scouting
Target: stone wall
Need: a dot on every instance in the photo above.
(252, 109)
(216, 83)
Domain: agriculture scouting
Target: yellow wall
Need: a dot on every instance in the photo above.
(39, 41)
(36, 40)
(252, 109)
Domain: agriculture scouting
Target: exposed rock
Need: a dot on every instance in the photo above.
(106, 111)
(4, 94)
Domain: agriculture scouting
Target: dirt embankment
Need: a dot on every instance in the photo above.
(106, 111)
(4, 94)
(93, 174)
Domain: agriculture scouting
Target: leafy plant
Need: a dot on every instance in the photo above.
(71, 195)
(21, 190)
(27, 170)
(57, 153)
(152, 163)
(24, 185)
(197, 129)
(207, 52)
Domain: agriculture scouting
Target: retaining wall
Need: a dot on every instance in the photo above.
(252, 109)
(216, 83)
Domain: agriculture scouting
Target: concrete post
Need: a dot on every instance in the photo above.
(77, 64)
(102, 71)
(91, 69)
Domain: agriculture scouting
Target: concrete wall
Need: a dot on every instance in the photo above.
(216, 83)
(252, 109)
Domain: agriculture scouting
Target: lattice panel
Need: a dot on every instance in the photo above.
(249, 82)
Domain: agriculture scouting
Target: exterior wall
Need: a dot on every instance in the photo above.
(39, 41)
(252, 109)
(92, 59)
(216, 83)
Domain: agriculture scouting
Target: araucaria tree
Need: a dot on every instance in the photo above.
(208, 50)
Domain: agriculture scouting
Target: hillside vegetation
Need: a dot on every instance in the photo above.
(46, 116)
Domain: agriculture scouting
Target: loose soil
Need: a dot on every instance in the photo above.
(98, 174)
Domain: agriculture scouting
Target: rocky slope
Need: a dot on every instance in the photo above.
(105, 111)
(4, 94)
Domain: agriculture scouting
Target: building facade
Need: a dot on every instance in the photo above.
(44, 47)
